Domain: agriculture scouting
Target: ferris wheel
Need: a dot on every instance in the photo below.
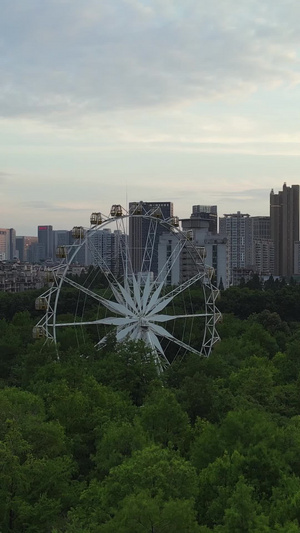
(147, 281)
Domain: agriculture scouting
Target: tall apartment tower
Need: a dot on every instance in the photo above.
(237, 228)
(284, 215)
(206, 242)
(139, 229)
(262, 246)
(45, 242)
(7, 244)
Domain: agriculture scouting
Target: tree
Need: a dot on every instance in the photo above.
(243, 515)
(150, 475)
(116, 442)
(37, 484)
(164, 420)
(82, 409)
(254, 382)
(128, 367)
(254, 282)
(142, 513)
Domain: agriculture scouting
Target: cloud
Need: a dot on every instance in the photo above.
(242, 195)
(4, 176)
(37, 204)
(48, 206)
(63, 59)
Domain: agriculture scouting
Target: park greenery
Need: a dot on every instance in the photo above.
(98, 441)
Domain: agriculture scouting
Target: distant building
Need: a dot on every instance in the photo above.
(8, 243)
(18, 277)
(296, 258)
(20, 248)
(167, 256)
(207, 212)
(105, 249)
(284, 214)
(211, 247)
(241, 274)
(261, 246)
(23, 246)
(45, 241)
(101, 248)
(263, 257)
(140, 233)
(237, 228)
(260, 228)
(61, 237)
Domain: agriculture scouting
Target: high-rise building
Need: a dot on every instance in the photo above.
(23, 247)
(237, 228)
(260, 228)
(45, 241)
(168, 259)
(261, 245)
(20, 247)
(101, 249)
(297, 258)
(263, 256)
(7, 243)
(206, 212)
(209, 245)
(61, 237)
(139, 229)
(104, 248)
(284, 215)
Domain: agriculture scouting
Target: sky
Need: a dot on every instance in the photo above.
(108, 101)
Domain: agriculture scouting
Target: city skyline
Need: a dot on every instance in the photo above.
(85, 221)
(190, 102)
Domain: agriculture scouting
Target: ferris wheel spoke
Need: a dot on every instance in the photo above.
(115, 307)
(122, 333)
(155, 297)
(159, 330)
(81, 288)
(169, 265)
(135, 335)
(181, 288)
(78, 323)
(187, 347)
(147, 291)
(116, 321)
(155, 343)
(162, 332)
(100, 261)
(149, 246)
(104, 267)
(123, 247)
(118, 296)
(127, 298)
(166, 318)
(110, 321)
(136, 292)
(125, 332)
(162, 303)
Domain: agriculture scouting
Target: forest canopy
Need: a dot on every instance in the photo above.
(100, 441)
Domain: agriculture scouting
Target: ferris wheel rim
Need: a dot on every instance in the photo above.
(211, 314)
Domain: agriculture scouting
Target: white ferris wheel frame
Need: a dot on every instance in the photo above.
(138, 307)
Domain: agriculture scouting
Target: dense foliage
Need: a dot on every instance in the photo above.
(99, 442)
